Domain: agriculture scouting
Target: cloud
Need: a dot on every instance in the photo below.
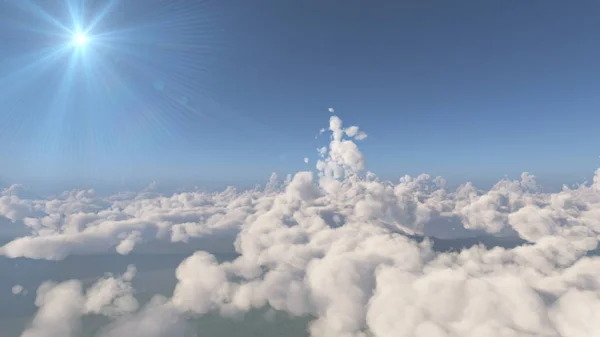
(158, 319)
(11, 206)
(360, 135)
(62, 305)
(17, 289)
(355, 279)
(339, 245)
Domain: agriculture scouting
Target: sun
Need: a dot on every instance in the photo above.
(80, 39)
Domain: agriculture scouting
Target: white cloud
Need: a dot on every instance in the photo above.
(360, 135)
(128, 243)
(11, 206)
(17, 289)
(158, 319)
(62, 305)
(334, 246)
(351, 131)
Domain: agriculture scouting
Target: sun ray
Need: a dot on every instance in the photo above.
(128, 74)
(102, 13)
(42, 14)
(40, 62)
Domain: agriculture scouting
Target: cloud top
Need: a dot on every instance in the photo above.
(336, 244)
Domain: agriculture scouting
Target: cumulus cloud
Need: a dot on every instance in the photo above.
(339, 245)
(158, 319)
(11, 206)
(62, 305)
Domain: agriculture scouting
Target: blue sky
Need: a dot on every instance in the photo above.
(192, 92)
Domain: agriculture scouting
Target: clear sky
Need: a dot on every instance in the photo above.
(192, 92)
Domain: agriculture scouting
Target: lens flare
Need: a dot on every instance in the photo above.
(120, 75)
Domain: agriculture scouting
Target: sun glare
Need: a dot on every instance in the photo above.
(80, 39)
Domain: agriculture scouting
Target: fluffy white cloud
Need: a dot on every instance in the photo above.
(338, 247)
(11, 206)
(363, 280)
(62, 305)
(158, 319)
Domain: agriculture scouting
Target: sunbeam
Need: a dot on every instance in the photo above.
(107, 60)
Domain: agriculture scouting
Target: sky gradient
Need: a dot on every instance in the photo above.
(190, 92)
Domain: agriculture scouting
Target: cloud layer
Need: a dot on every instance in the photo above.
(338, 245)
